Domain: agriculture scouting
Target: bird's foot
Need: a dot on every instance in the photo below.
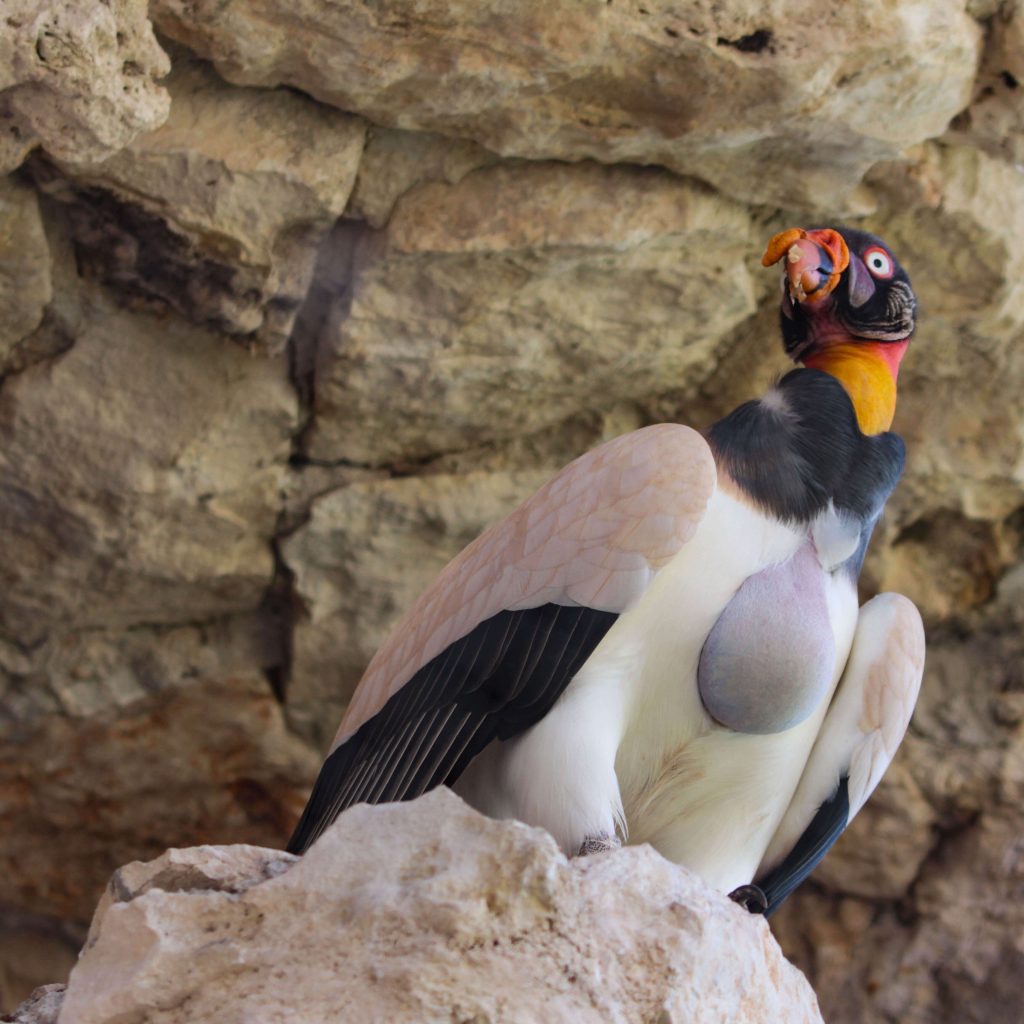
(602, 842)
(750, 897)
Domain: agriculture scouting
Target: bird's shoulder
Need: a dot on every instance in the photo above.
(799, 449)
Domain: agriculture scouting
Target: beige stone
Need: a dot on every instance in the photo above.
(520, 297)
(133, 742)
(42, 1007)
(429, 911)
(139, 476)
(787, 106)
(79, 79)
(994, 122)
(221, 209)
(25, 286)
(395, 161)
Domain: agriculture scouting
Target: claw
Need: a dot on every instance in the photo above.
(600, 843)
(751, 897)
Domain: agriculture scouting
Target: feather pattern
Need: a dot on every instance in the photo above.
(495, 682)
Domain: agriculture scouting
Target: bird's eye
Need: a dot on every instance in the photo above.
(879, 262)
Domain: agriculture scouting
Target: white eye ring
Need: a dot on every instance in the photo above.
(879, 262)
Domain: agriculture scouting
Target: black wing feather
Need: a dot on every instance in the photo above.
(493, 683)
(825, 828)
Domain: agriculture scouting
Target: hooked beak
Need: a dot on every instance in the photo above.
(815, 261)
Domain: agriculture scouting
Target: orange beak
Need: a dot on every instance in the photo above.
(815, 261)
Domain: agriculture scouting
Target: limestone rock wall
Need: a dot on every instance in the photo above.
(295, 299)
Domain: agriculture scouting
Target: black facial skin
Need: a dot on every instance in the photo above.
(888, 314)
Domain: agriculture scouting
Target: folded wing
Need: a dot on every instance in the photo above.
(862, 730)
(488, 648)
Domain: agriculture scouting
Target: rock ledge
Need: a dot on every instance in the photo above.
(425, 911)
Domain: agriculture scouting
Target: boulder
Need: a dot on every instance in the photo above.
(426, 911)
(78, 79)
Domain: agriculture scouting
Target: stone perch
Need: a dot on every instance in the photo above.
(423, 911)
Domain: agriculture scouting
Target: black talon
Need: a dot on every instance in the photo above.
(750, 897)
(600, 843)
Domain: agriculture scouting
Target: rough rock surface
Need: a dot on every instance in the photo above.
(426, 911)
(220, 210)
(80, 79)
(42, 1007)
(135, 741)
(25, 286)
(201, 545)
(118, 509)
(730, 92)
(457, 330)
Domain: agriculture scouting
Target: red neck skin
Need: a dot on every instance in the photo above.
(891, 353)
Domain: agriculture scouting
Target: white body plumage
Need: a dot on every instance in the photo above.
(630, 741)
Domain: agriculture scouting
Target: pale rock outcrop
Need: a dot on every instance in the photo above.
(426, 912)
(134, 741)
(220, 210)
(25, 286)
(730, 92)
(138, 476)
(520, 296)
(78, 79)
(42, 1007)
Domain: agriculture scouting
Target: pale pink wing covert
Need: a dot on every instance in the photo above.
(594, 535)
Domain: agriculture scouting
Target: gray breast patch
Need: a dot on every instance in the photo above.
(769, 660)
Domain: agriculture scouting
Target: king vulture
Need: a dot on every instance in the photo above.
(663, 645)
